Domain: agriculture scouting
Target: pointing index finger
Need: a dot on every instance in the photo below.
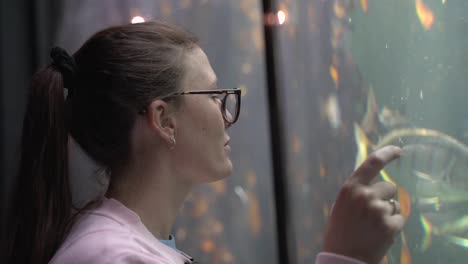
(371, 167)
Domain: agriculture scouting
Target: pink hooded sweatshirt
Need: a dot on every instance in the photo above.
(112, 233)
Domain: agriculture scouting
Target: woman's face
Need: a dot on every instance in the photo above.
(202, 148)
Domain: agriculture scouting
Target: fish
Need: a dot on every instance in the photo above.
(339, 9)
(384, 260)
(430, 231)
(405, 255)
(364, 5)
(207, 245)
(335, 75)
(441, 224)
(458, 226)
(363, 145)
(433, 188)
(332, 112)
(376, 121)
(459, 241)
(369, 121)
(404, 199)
(425, 14)
(391, 119)
(254, 214)
(425, 176)
(442, 202)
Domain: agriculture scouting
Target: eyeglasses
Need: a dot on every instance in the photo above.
(230, 102)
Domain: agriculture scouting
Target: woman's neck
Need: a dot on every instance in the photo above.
(153, 193)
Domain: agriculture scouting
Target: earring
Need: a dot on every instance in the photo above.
(173, 143)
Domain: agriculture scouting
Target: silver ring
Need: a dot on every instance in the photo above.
(395, 206)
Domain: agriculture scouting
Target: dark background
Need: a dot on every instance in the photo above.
(27, 30)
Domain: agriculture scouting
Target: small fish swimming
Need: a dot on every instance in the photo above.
(404, 198)
(330, 110)
(453, 228)
(392, 119)
(375, 121)
(334, 75)
(369, 121)
(405, 255)
(424, 176)
(364, 5)
(436, 195)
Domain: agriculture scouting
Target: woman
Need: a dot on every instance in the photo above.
(143, 102)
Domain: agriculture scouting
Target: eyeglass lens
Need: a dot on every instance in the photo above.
(230, 110)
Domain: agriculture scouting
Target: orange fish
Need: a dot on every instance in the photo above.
(334, 75)
(207, 245)
(425, 14)
(364, 5)
(339, 9)
(218, 187)
(255, 218)
(296, 144)
(404, 199)
(322, 170)
(384, 260)
(405, 255)
(201, 207)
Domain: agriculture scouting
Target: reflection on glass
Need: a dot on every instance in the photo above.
(230, 221)
(413, 64)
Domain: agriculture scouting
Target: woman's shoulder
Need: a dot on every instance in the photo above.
(102, 237)
(94, 246)
(94, 237)
(107, 249)
(106, 242)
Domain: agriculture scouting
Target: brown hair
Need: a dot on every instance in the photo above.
(117, 72)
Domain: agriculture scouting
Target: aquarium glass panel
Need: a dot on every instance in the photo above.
(358, 75)
(413, 59)
(229, 221)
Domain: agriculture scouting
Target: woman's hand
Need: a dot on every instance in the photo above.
(363, 222)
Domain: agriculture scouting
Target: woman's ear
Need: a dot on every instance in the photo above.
(161, 119)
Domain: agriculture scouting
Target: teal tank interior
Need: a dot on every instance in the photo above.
(412, 57)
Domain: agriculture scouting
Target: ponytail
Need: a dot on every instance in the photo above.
(41, 205)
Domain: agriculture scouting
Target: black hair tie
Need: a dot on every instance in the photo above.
(66, 65)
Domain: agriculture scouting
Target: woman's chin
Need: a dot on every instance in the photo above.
(223, 172)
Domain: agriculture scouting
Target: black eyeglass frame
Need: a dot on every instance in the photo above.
(225, 92)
